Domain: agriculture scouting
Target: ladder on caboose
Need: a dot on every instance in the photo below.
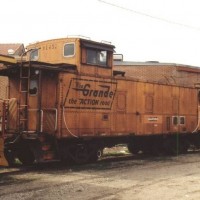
(24, 82)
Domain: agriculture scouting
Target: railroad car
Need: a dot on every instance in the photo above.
(66, 102)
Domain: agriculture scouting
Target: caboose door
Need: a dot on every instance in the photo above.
(42, 101)
(42, 115)
(48, 104)
(33, 101)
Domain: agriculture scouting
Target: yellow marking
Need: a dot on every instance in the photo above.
(7, 59)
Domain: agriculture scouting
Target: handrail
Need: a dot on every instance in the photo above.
(41, 120)
(42, 116)
(198, 121)
(3, 117)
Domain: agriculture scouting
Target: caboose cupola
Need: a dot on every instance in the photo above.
(89, 57)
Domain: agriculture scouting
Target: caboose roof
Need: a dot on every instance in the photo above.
(97, 45)
(85, 42)
(38, 65)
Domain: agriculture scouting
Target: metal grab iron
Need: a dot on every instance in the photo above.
(3, 161)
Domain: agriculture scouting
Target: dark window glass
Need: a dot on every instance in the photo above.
(69, 49)
(33, 87)
(175, 120)
(91, 57)
(34, 55)
(182, 120)
(96, 57)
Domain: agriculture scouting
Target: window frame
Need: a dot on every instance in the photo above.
(69, 56)
(32, 52)
(178, 120)
(97, 63)
(37, 84)
(173, 117)
(183, 117)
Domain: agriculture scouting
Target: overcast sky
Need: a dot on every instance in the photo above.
(142, 30)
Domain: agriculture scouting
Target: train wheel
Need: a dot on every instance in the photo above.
(9, 157)
(80, 154)
(183, 146)
(133, 149)
(170, 147)
(152, 149)
(26, 157)
(99, 153)
(176, 147)
(95, 155)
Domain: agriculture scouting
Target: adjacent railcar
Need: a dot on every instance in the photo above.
(66, 102)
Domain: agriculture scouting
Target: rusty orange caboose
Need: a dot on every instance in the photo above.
(67, 102)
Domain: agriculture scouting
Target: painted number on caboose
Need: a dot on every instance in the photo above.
(90, 94)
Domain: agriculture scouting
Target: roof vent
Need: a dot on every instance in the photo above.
(118, 57)
(106, 42)
(152, 61)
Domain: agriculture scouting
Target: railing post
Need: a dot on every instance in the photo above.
(41, 122)
(3, 119)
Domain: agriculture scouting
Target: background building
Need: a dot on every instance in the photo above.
(164, 73)
(15, 50)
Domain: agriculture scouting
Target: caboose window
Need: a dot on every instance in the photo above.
(96, 57)
(34, 55)
(175, 120)
(33, 87)
(182, 120)
(69, 49)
